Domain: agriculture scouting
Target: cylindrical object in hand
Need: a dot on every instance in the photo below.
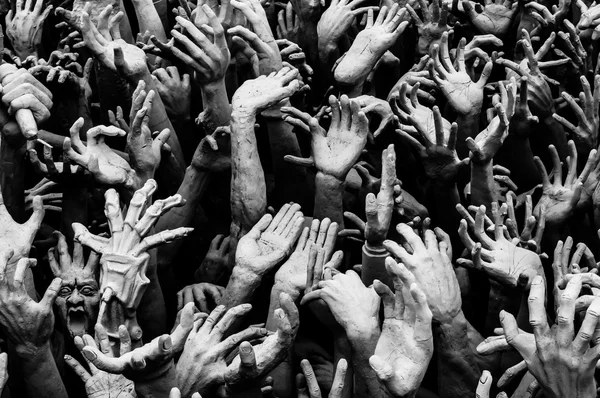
(27, 123)
(24, 117)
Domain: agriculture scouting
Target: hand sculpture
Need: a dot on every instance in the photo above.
(333, 152)
(500, 258)
(560, 198)
(585, 134)
(27, 324)
(270, 241)
(202, 295)
(405, 346)
(216, 261)
(495, 18)
(407, 104)
(433, 24)
(354, 306)
(26, 98)
(379, 208)
(150, 361)
(24, 28)
(440, 159)
(563, 362)
(292, 276)
(124, 256)
(464, 95)
(99, 383)
(78, 300)
(174, 90)
(202, 365)
(17, 238)
(255, 362)
(526, 238)
(369, 45)
(110, 49)
(431, 265)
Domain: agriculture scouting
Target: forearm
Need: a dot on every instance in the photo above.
(74, 208)
(217, 110)
(556, 136)
(39, 373)
(468, 126)
(283, 374)
(152, 311)
(148, 19)
(459, 367)
(290, 180)
(329, 192)
(12, 171)
(363, 343)
(248, 187)
(192, 190)
(241, 287)
(482, 185)
(441, 200)
(158, 387)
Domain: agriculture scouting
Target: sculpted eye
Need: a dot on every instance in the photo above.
(88, 291)
(65, 291)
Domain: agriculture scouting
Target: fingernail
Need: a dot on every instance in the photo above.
(90, 355)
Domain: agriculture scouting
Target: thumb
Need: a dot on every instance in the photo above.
(51, 293)
(383, 371)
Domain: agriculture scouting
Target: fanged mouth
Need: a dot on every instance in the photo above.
(77, 322)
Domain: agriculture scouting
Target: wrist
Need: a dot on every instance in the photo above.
(33, 353)
(213, 86)
(364, 333)
(331, 180)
